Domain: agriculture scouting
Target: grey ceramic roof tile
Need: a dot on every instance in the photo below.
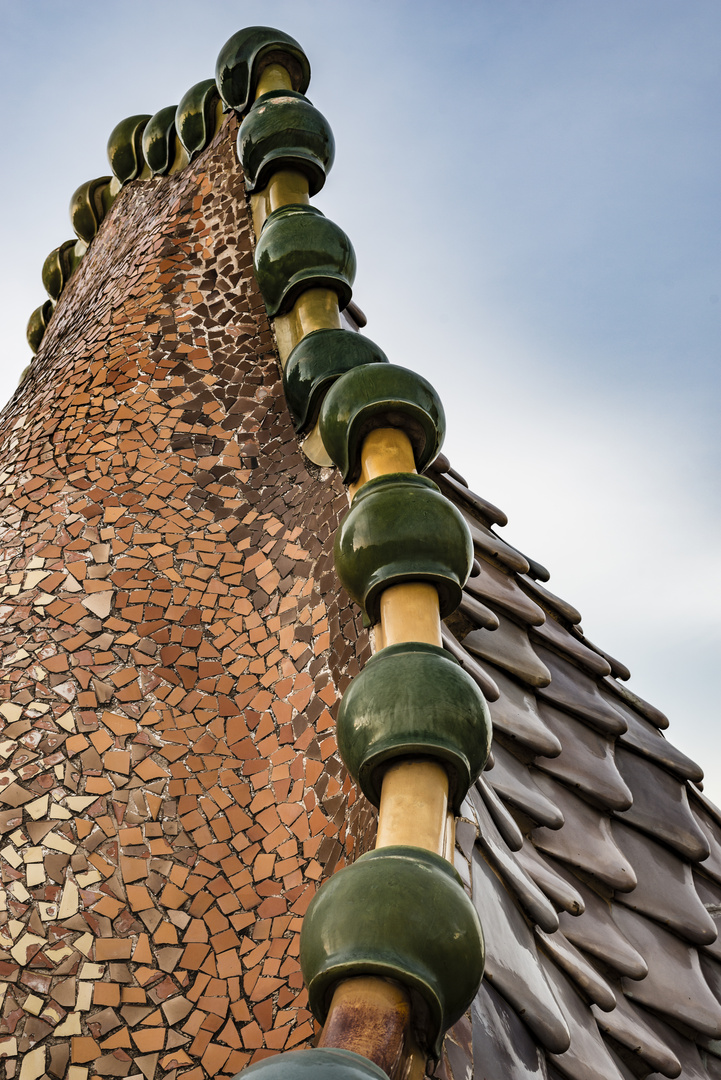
(505, 823)
(492, 547)
(665, 889)
(648, 741)
(660, 806)
(558, 638)
(674, 985)
(488, 685)
(589, 983)
(502, 590)
(691, 1064)
(477, 612)
(503, 1047)
(711, 865)
(487, 510)
(547, 599)
(530, 898)
(709, 893)
(508, 647)
(557, 888)
(627, 1027)
(596, 933)
(586, 762)
(586, 840)
(512, 962)
(657, 718)
(618, 669)
(575, 692)
(515, 715)
(513, 781)
(587, 1057)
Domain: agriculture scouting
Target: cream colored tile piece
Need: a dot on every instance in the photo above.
(53, 1013)
(69, 1026)
(58, 812)
(35, 875)
(18, 838)
(92, 877)
(23, 946)
(99, 603)
(33, 1064)
(11, 711)
(10, 855)
(71, 584)
(34, 577)
(85, 989)
(84, 944)
(19, 891)
(48, 912)
(15, 927)
(7, 777)
(8, 1047)
(59, 843)
(77, 1072)
(80, 802)
(42, 601)
(33, 1004)
(7, 747)
(33, 855)
(70, 900)
(38, 807)
(66, 721)
(57, 953)
(36, 563)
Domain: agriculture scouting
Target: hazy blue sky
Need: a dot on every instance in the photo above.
(532, 187)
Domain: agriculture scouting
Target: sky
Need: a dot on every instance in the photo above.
(532, 188)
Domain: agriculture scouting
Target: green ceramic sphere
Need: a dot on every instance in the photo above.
(283, 130)
(373, 397)
(400, 913)
(244, 56)
(60, 265)
(399, 529)
(414, 700)
(88, 207)
(159, 140)
(320, 1063)
(301, 249)
(37, 324)
(195, 116)
(125, 149)
(316, 362)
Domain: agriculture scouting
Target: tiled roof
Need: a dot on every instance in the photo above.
(175, 643)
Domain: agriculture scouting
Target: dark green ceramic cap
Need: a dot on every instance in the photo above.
(284, 131)
(244, 56)
(195, 116)
(316, 362)
(59, 266)
(400, 528)
(400, 913)
(38, 323)
(125, 150)
(320, 1063)
(414, 700)
(373, 397)
(301, 249)
(159, 139)
(88, 207)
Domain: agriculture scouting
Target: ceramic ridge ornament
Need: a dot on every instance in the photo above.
(247, 53)
(399, 913)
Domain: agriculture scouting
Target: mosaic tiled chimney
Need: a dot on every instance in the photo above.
(195, 734)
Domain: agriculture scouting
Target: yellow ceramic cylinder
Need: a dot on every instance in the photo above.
(410, 612)
(274, 77)
(414, 805)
